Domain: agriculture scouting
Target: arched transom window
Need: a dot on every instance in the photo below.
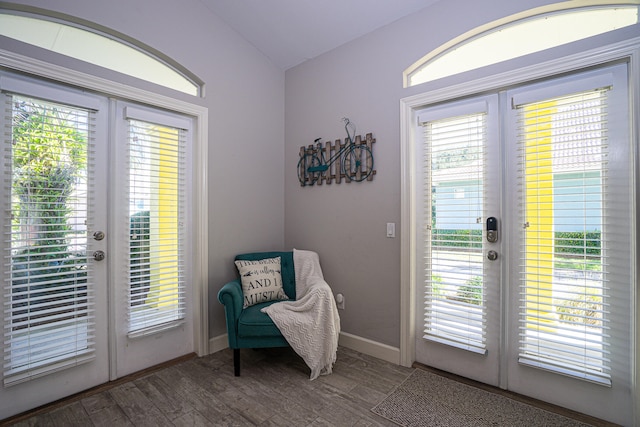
(519, 35)
(89, 45)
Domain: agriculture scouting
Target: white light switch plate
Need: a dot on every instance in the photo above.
(391, 229)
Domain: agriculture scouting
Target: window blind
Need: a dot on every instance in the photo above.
(564, 293)
(155, 271)
(453, 165)
(49, 304)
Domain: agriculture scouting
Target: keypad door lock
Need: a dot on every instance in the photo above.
(492, 229)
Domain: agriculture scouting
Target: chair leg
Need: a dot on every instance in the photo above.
(236, 362)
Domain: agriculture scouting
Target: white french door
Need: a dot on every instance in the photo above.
(54, 317)
(95, 272)
(151, 314)
(543, 308)
(573, 231)
(459, 179)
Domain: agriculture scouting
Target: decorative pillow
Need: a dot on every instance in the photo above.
(261, 281)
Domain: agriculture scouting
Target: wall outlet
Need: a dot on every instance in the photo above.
(340, 301)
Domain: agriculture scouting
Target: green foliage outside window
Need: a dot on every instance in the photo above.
(446, 238)
(578, 243)
(470, 292)
(574, 243)
(49, 154)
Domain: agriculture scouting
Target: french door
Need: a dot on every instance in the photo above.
(94, 200)
(525, 274)
(459, 302)
(54, 322)
(151, 306)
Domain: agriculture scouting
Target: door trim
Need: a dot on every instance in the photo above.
(200, 249)
(628, 51)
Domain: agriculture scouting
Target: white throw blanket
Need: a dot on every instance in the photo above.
(311, 323)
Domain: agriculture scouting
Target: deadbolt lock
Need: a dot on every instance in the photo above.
(98, 255)
(492, 229)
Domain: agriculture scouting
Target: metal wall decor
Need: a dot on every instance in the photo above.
(351, 160)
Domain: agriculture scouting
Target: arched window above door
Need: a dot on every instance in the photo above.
(98, 48)
(519, 35)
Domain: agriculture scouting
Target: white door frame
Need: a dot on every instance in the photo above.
(200, 248)
(628, 50)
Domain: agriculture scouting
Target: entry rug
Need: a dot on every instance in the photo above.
(426, 399)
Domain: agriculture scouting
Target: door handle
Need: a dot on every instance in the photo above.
(98, 255)
(492, 255)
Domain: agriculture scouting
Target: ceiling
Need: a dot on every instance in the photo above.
(290, 32)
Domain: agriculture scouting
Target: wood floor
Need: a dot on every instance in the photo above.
(273, 390)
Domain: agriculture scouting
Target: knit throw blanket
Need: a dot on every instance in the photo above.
(311, 323)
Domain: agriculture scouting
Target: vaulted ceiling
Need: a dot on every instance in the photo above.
(290, 32)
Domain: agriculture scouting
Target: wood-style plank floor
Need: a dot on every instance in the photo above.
(273, 390)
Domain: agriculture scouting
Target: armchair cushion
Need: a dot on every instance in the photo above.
(254, 323)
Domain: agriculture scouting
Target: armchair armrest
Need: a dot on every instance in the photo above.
(231, 297)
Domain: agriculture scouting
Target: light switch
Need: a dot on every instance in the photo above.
(391, 229)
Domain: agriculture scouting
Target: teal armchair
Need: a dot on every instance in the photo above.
(249, 327)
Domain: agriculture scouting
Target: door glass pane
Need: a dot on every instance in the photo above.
(156, 211)
(454, 297)
(49, 315)
(564, 291)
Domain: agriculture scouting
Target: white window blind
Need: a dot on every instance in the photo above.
(155, 271)
(453, 166)
(49, 304)
(564, 293)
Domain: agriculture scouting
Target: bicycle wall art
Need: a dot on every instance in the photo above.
(351, 161)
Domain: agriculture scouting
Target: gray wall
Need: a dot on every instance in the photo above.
(346, 223)
(254, 107)
(245, 98)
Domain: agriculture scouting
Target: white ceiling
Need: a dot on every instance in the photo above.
(290, 32)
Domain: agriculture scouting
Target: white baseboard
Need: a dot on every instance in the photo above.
(353, 342)
(218, 343)
(369, 347)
